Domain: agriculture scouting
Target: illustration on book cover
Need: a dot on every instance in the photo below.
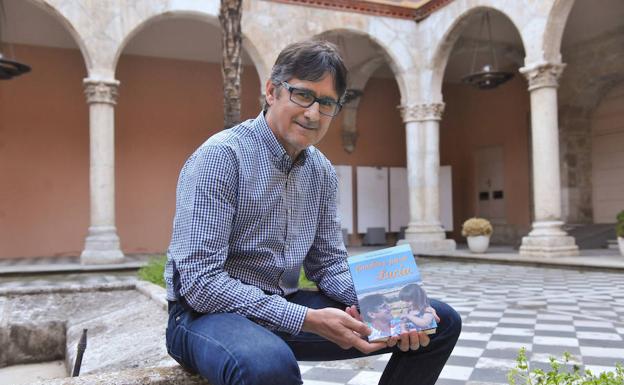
(390, 293)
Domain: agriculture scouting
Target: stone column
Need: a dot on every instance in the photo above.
(547, 238)
(424, 232)
(102, 242)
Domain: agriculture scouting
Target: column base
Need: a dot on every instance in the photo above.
(548, 239)
(425, 239)
(101, 246)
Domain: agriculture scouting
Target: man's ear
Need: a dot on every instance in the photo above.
(270, 92)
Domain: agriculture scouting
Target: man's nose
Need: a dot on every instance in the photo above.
(312, 112)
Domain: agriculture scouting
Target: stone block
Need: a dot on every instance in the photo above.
(34, 342)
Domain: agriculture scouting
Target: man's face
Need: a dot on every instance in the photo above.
(296, 127)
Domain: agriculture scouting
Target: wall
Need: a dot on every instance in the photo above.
(607, 127)
(165, 109)
(44, 156)
(474, 119)
(593, 67)
(381, 132)
(381, 136)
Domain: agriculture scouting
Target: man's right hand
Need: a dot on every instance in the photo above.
(340, 328)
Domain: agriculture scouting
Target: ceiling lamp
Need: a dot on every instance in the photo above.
(489, 76)
(9, 68)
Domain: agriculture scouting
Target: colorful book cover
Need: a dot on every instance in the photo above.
(390, 293)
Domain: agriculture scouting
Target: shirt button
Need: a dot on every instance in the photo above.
(289, 211)
(286, 247)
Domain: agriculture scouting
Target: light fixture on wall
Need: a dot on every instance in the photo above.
(9, 68)
(489, 76)
(351, 95)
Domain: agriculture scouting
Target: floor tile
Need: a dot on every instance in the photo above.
(452, 372)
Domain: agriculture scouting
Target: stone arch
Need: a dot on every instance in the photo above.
(391, 54)
(262, 67)
(200, 15)
(441, 53)
(134, 30)
(553, 33)
(58, 15)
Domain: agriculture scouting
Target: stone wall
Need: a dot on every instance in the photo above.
(593, 68)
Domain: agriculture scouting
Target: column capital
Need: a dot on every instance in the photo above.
(101, 91)
(543, 74)
(421, 112)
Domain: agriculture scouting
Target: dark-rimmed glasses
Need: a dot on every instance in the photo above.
(305, 98)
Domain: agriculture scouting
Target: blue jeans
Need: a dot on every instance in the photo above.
(230, 349)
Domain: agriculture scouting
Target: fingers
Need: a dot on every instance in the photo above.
(357, 326)
(368, 347)
(414, 340)
(392, 341)
(353, 312)
(409, 341)
(404, 342)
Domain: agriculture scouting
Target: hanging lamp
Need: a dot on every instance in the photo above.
(489, 76)
(9, 68)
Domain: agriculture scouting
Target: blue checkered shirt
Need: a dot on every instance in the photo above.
(247, 218)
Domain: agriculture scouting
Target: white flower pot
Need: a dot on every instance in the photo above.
(479, 243)
(621, 244)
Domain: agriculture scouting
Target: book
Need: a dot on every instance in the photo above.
(390, 293)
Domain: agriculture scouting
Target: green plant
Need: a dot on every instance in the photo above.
(476, 226)
(522, 374)
(304, 283)
(154, 270)
(619, 226)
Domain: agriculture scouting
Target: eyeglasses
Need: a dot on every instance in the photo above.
(305, 98)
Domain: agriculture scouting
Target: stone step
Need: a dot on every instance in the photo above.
(591, 236)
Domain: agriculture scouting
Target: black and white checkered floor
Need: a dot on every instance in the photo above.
(505, 307)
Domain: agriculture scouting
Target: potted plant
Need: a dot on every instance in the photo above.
(619, 231)
(478, 232)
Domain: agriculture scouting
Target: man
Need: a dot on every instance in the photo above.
(254, 204)
(376, 312)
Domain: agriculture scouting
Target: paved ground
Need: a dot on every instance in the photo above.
(546, 310)
(504, 307)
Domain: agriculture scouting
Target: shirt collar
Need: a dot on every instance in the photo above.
(280, 156)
